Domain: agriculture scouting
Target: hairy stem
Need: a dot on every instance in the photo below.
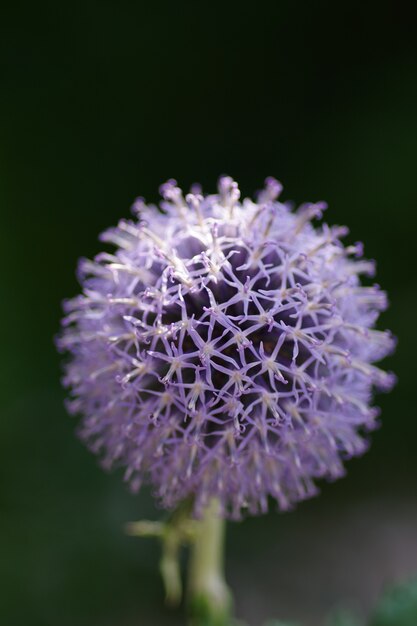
(210, 601)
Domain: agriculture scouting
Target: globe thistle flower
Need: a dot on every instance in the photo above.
(226, 349)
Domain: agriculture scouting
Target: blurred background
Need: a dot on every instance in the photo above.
(103, 101)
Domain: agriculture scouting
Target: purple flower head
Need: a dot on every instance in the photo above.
(225, 349)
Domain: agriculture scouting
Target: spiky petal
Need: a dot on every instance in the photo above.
(225, 349)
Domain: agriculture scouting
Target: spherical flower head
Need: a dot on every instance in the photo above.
(225, 349)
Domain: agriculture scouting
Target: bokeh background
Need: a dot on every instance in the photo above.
(101, 102)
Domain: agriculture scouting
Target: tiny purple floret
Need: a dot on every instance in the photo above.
(225, 349)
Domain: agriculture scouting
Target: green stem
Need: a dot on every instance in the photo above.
(210, 601)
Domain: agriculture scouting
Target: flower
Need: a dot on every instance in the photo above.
(225, 349)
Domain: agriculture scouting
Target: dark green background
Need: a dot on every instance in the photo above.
(103, 101)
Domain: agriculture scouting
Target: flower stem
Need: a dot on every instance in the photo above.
(210, 601)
